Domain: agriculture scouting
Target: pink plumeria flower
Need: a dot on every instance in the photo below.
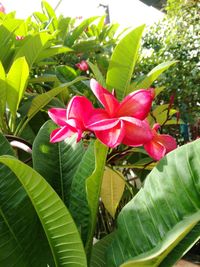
(2, 8)
(160, 144)
(121, 122)
(19, 37)
(71, 120)
(82, 66)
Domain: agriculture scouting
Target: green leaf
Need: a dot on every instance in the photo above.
(87, 46)
(42, 100)
(50, 13)
(7, 30)
(162, 214)
(78, 197)
(60, 230)
(18, 221)
(52, 51)
(5, 147)
(99, 250)
(97, 73)
(75, 34)
(2, 93)
(123, 61)
(16, 79)
(67, 155)
(183, 247)
(112, 189)
(33, 47)
(153, 75)
(93, 189)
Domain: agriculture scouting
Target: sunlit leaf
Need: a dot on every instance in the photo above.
(112, 189)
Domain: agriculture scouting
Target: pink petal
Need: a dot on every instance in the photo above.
(80, 108)
(136, 104)
(112, 137)
(109, 102)
(167, 141)
(101, 121)
(155, 149)
(137, 132)
(61, 133)
(103, 125)
(58, 115)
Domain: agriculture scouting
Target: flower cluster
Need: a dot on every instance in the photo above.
(116, 123)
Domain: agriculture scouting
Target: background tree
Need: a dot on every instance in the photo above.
(176, 37)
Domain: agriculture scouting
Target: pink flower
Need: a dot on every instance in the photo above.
(2, 8)
(83, 66)
(160, 144)
(71, 120)
(18, 37)
(121, 122)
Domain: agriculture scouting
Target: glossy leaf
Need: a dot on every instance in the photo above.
(42, 100)
(78, 31)
(67, 155)
(52, 51)
(153, 75)
(97, 73)
(32, 47)
(78, 196)
(63, 238)
(48, 10)
(2, 93)
(16, 79)
(22, 238)
(99, 250)
(93, 188)
(123, 61)
(112, 189)
(162, 214)
(7, 30)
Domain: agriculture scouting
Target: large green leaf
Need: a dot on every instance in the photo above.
(23, 243)
(48, 10)
(112, 189)
(16, 79)
(98, 251)
(52, 51)
(7, 30)
(60, 230)
(93, 188)
(75, 34)
(78, 198)
(152, 76)
(67, 155)
(123, 61)
(33, 47)
(162, 214)
(42, 100)
(2, 94)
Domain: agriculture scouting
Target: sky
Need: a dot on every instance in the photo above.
(126, 12)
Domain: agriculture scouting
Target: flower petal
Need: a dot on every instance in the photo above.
(112, 137)
(108, 100)
(136, 104)
(155, 149)
(58, 115)
(137, 132)
(103, 124)
(61, 133)
(167, 141)
(80, 108)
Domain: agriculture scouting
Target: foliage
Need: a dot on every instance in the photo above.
(57, 199)
(176, 37)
